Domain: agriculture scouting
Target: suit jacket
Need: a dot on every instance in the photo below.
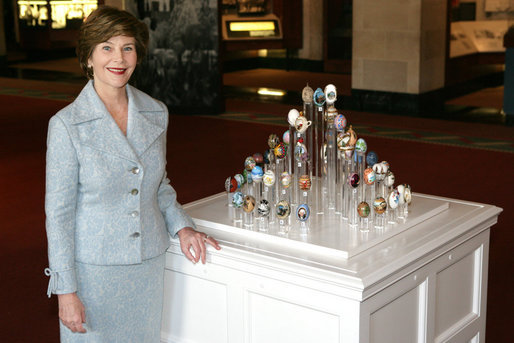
(108, 200)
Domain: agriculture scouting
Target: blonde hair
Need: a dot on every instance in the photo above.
(106, 22)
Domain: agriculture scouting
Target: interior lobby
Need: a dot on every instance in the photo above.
(429, 84)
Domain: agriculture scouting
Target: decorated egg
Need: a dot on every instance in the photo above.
(269, 178)
(258, 157)
(302, 124)
(371, 158)
(394, 199)
(340, 122)
(292, 115)
(280, 151)
(285, 137)
(380, 174)
(353, 136)
(257, 174)
(250, 163)
(342, 140)
(248, 203)
(300, 152)
(369, 176)
(389, 179)
(319, 97)
(247, 175)
(304, 182)
(264, 208)
(354, 180)
(283, 209)
(363, 209)
(268, 156)
(237, 199)
(273, 141)
(386, 166)
(401, 192)
(330, 114)
(330, 93)
(303, 212)
(379, 205)
(230, 184)
(240, 180)
(361, 145)
(307, 94)
(408, 194)
(285, 178)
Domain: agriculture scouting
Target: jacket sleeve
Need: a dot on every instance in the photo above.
(60, 208)
(174, 215)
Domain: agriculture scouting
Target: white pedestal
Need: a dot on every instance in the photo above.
(421, 281)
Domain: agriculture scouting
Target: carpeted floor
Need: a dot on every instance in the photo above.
(219, 145)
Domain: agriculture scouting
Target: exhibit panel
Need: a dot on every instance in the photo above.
(425, 284)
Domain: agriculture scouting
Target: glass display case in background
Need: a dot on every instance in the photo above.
(44, 24)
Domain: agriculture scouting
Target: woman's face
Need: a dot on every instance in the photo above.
(113, 62)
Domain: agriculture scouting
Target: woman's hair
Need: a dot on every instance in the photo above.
(106, 22)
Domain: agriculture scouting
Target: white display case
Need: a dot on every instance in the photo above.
(421, 281)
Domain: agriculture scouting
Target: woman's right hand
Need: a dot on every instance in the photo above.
(72, 312)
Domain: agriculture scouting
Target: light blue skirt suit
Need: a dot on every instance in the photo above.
(109, 212)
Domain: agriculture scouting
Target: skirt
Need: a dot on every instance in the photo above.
(123, 303)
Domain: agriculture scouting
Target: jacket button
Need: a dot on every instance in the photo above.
(134, 192)
(135, 235)
(135, 170)
(134, 214)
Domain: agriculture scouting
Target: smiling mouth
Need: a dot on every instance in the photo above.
(117, 71)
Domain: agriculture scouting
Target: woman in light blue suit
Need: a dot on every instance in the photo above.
(109, 204)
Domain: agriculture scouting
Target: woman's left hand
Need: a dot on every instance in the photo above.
(191, 238)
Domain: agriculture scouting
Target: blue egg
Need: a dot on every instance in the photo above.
(237, 199)
(257, 173)
(371, 158)
(303, 212)
(319, 97)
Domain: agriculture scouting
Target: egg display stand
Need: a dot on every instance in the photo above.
(328, 234)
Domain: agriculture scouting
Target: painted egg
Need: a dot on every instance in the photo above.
(250, 163)
(300, 153)
(340, 122)
(273, 141)
(389, 179)
(248, 203)
(269, 178)
(285, 137)
(258, 157)
(264, 208)
(303, 212)
(257, 174)
(285, 178)
(394, 199)
(354, 180)
(237, 199)
(304, 182)
(247, 175)
(408, 195)
(380, 174)
(361, 145)
(330, 93)
(401, 191)
(369, 176)
(283, 209)
(371, 158)
(353, 136)
(268, 156)
(307, 94)
(319, 97)
(302, 124)
(292, 115)
(230, 184)
(386, 166)
(342, 140)
(280, 151)
(379, 205)
(240, 180)
(363, 209)
(330, 114)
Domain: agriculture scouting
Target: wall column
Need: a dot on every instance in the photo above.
(399, 54)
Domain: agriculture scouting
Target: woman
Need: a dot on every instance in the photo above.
(109, 204)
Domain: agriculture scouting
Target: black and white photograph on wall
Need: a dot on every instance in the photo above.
(181, 68)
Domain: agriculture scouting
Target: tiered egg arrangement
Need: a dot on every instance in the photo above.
(341, 168)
